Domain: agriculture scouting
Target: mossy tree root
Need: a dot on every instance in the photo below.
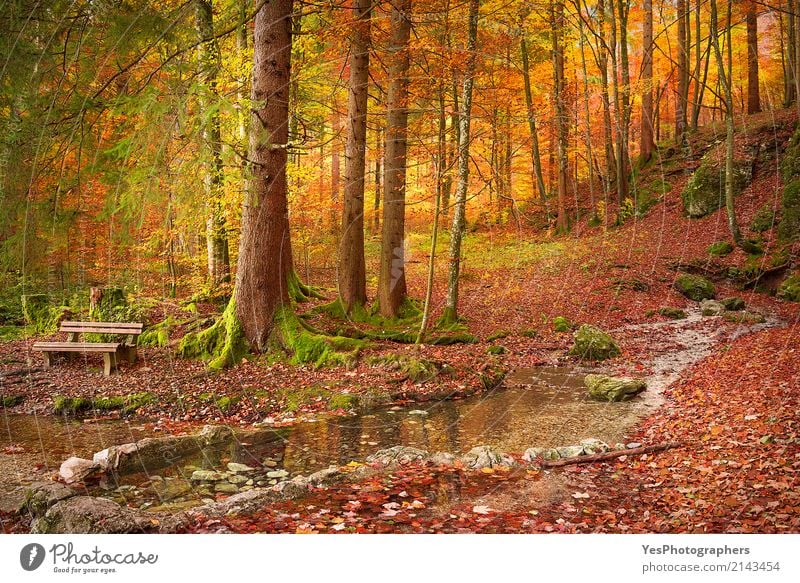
(222, 345)
(300, 292)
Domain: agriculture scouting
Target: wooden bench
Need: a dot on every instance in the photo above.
(110, 350)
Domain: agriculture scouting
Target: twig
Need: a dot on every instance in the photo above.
(600, 457)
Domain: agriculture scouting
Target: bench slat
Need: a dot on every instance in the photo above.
(102, 330)
(76, 346)
(120, 327)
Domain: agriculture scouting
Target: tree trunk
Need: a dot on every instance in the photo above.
(336, 126)
(623, 7)
(208, 64)
(728, 97)
(459, 211)
(602, 61)
(536, 159)
(753, 96)
(265, 251)
(789, 81)
(376, 205)
(588, 121)
(647, 144)
(683, 75)
(352, 269)
(392, 279)
(562, 127)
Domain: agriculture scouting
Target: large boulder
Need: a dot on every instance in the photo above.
(695, 287)
(484, 456)
(605, 388)
(705, 190)
(591, 343)
(75, 469)
(150, 453)
(711, 308)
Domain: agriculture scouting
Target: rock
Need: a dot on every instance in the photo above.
(147, 454)
(592, 446)
(592, 343)
(695, 287)
(613, 389)
(278, 474)
(720, 248)
(545, 453)
(270, 463)
(175, 506)
(216, 434)
(207, 476)
(633, 445)
(443, 458)
(568, 451)
(485, 456)
(789, 289)
(744, 317)
(40, 496)
(399, 454)
(417, 412)
(672, 313)
(238, 479)
(89, 515)
(733, 304)
(711, 308)
(167, 490)
(225, 488)
(76, 469)
(239, 468)
(294, 488)
(705, 191)
(324, 477)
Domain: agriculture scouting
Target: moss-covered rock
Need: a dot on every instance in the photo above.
(789, 227)
(126, 403)
(720, 248)
(711, 308)
(612, 389)
(733, 304)
(11, 400)
(695, 287)
(591, 343)
(789, 290)
(497, 335)
(763, 220)
(705, 191)
(744, 317)
(561, 324)
(496, 349)
(672, 313)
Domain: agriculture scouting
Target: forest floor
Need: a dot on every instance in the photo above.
(736, 411)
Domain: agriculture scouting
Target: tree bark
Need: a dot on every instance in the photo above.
(376, 201)
(610, 455)
(392, 278)
(265, 251)
(208, 65)
(536, 158)
(647, 144)
(602, 61)
(753, 95)
(459, 211)
(727, 94)
(352, 268)
(562, 121)
(683, 74)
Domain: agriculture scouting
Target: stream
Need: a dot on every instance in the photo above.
(543, 406)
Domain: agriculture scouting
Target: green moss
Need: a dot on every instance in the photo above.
(300, 292)
(789, 290)
(790, 164)
(157, 334)
(763, 220)
(9, 333)
(497, 335)
(529, 333)
(720, 248)
(695, 287)
(496, 349)
(744, 317)
(308, 346)
(126, 403)
(733, 304)
(11, 400)
(296, 398)
(705, 190)
(672, 313)
(342, 401)
(789, 227)
(418, 370)
(591, 343)
(224, 403)
(561, 324)
(222, 345)
(40, 316)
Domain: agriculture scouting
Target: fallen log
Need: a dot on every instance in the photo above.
(609, 455)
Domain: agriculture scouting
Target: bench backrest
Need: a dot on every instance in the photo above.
(102, 327)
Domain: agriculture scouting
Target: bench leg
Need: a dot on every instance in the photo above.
(109, 362)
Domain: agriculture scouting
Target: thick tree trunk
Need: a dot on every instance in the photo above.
(376, 201)
(265, 251)
(789, 82)
(623, 7)
(619, 112)
(728, 97)
(208, 58)
(536, 158)
(562, 122)
(647, 144)
(459, 212)
(602, 62)
(352, 269)
(753, 95)
(392, 278)
(588, 121)
(336, 127)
